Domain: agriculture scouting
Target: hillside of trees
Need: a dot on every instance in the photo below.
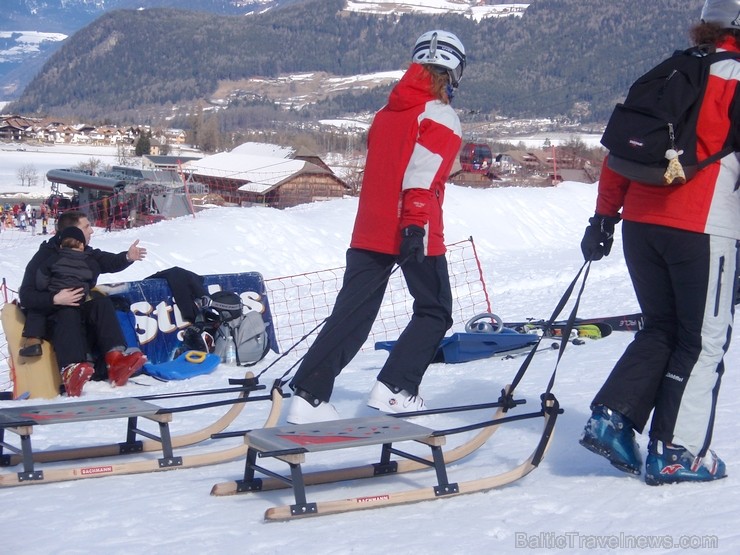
(565, 59)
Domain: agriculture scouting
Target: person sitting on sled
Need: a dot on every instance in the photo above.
(77, 327)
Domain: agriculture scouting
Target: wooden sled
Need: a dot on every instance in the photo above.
(22, 420)
(291, 444)
(134, 445)
(35, 377)
(385, 466)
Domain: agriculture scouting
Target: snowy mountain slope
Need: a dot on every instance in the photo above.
(469, 8)
(54, 21)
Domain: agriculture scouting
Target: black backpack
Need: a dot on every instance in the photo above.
(659, 115)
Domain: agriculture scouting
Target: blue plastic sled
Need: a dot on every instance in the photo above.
(181, 368)
(464, 347)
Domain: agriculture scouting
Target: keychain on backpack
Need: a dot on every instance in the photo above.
(674, 174)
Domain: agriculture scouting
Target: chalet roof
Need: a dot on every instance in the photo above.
(16, 122)
(303, 152)
(307, 169)
(259, 173)
(523, 156)
(264, 149)
(261, 166)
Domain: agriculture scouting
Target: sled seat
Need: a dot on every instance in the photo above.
(290, 444)
(33, 377)
(22, 420)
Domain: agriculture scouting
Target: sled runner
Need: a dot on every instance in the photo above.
(21, 421)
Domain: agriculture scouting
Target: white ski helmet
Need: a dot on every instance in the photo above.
(725, 13)
(441, 49)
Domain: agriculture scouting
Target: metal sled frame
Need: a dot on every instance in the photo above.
(291, 444)
(244, 387)
(369, 470)
(22, 420)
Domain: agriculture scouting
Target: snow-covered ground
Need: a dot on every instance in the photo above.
(22, 156)
(528, 243)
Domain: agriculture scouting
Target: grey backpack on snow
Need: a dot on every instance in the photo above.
(247, 334)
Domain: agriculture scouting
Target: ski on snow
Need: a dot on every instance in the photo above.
(593, 328)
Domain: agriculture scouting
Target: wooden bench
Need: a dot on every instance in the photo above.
(22, 420)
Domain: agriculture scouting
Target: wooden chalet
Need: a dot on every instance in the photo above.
(266, 175)
(14, 128)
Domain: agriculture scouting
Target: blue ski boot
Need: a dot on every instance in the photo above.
(609, 433)
(670, 465)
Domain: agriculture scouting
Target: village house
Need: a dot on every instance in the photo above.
(269, 175)
(14, 128)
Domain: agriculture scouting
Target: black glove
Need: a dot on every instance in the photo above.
(599, 236)
(412, 244)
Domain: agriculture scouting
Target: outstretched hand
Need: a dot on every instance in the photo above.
(135, 252)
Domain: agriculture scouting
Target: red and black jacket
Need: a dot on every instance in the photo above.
(709, 202)
(412, 145)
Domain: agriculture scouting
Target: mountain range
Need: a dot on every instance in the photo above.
(566, 60)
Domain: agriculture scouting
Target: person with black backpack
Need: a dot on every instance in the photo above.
(680, 240)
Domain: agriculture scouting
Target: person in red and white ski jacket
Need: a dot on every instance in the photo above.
(708, 202)
(681, 248)
(412, 145)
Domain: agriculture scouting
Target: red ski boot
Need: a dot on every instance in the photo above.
(122, 365)
(75, 376)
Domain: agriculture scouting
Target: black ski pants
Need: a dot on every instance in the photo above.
(684, 282)
(80, 331)
(356, 307)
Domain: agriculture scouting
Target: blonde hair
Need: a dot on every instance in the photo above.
(72, 243)
(440, 80)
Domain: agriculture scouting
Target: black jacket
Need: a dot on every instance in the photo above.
(33, 298)
(68, 269)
